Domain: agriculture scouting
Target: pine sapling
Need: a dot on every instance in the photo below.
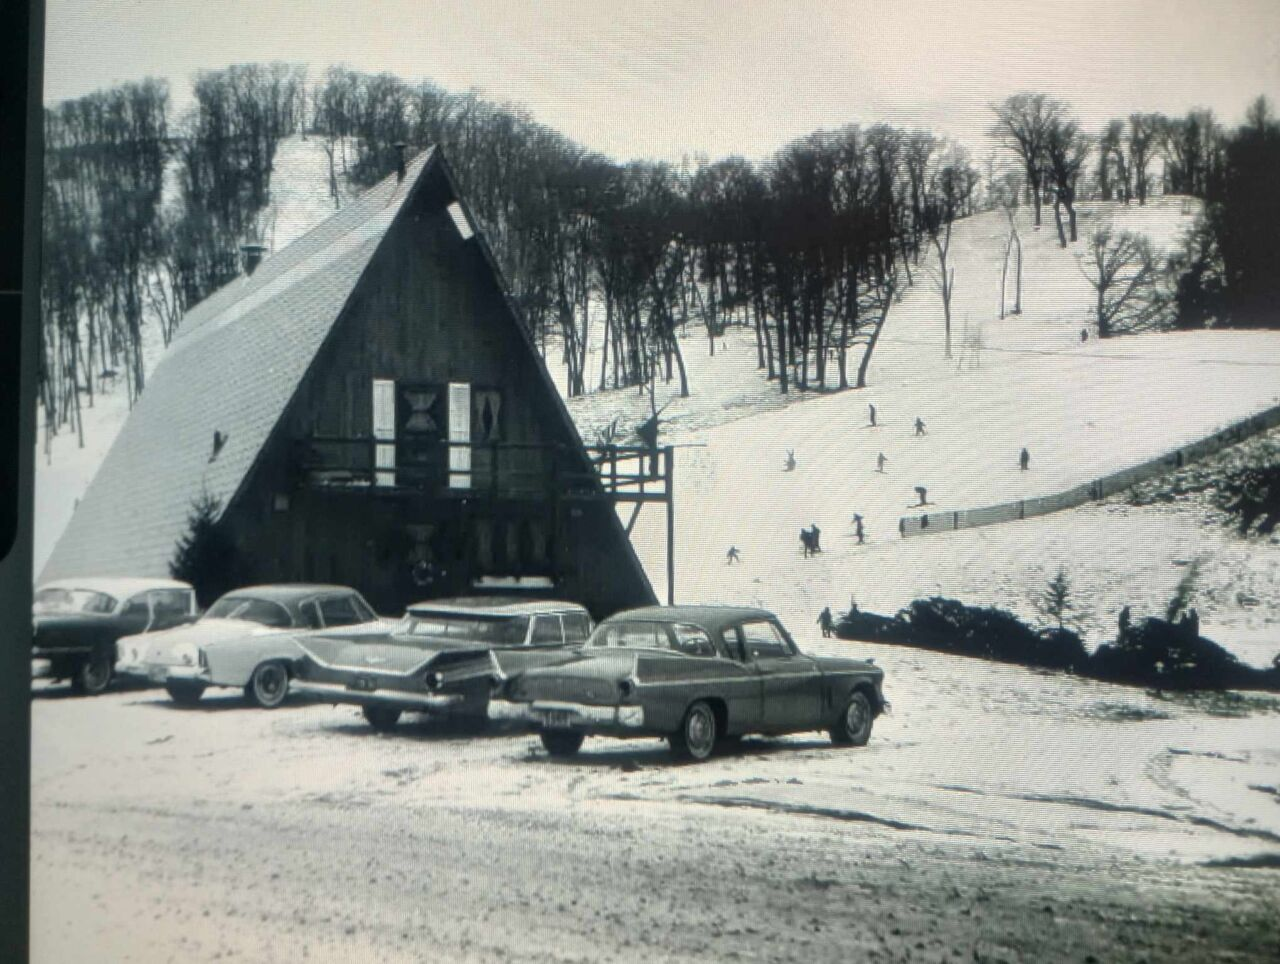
(1056, 601)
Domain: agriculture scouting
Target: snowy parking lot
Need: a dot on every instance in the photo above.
(995, 811)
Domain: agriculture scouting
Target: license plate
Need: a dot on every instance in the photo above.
(363, 684)
(158, 674)
(557, 719)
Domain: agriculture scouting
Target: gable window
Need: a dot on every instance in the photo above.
(460, 221)
(384, 431)
(459, 435)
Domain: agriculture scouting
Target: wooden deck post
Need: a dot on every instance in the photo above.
(669, 472)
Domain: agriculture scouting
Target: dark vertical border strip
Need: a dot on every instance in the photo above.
(21, 165)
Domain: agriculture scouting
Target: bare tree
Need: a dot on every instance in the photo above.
(1022, 125)
(1142, 133)
(946, 195)
(1113, 167)
(1012, 247)
(1066, 147)
(1126, 277)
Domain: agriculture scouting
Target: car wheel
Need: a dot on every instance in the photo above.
(268, 687)
(93, 675)
(696, 738)
(561, 742)
(381, 718)
(854, 726)
(184, 692)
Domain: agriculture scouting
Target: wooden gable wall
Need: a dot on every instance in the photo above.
(428, 311)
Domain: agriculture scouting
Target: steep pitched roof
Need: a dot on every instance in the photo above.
(234, 365)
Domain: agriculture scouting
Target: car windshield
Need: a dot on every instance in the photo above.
(498, 630)
(252, 610)
(73, 601)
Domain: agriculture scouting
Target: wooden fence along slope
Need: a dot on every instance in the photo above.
(931, 522)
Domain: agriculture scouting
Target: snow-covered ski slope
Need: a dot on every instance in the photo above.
(1082, 408)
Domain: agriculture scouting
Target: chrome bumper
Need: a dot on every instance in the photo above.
(404, 699)
(556, 715)
(163, 672)
(41, 668)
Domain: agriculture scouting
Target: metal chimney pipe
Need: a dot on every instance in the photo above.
(400, 147)
(252, 256)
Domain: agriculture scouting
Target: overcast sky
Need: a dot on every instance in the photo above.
(666, 78)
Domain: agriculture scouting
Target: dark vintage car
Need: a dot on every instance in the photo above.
(248, 639)
(697, 675)
(437, 658)
(76, 622)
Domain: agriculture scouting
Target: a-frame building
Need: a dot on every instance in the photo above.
(368, 410)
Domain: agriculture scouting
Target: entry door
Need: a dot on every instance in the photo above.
(459, 435)
(790, 681)
(384, 431)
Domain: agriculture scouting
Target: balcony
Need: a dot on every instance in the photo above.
(504, 470)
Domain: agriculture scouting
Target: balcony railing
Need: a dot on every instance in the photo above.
(500, 469)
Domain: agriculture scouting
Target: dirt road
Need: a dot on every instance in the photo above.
(223, 833)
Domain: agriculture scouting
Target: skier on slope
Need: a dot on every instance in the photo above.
(826, 621)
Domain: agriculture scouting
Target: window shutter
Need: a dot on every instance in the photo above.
(460, 435)
(384, 431)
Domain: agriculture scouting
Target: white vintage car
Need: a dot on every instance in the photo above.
(246, 639)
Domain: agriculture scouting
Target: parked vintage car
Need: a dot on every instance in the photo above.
(76, 622)
(696, 675)
(248, 638)
(436, 660)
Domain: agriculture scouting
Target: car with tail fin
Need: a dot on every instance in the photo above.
(438, 658)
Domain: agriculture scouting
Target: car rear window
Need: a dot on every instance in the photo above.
(632, 634)
(546, 631)
(339, 611)
(493, 630)
(170, 602)
(72, 601)
(577, 627)
(262, 611)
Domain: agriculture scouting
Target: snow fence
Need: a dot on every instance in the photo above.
(931, 522)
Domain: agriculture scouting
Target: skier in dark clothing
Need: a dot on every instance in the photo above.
(1024, 460)
(827, 623)
(880, 462)
(858, 532)
(872, 409)
(732, 556)
(789, 464)
(919, 426)
(923, 493)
